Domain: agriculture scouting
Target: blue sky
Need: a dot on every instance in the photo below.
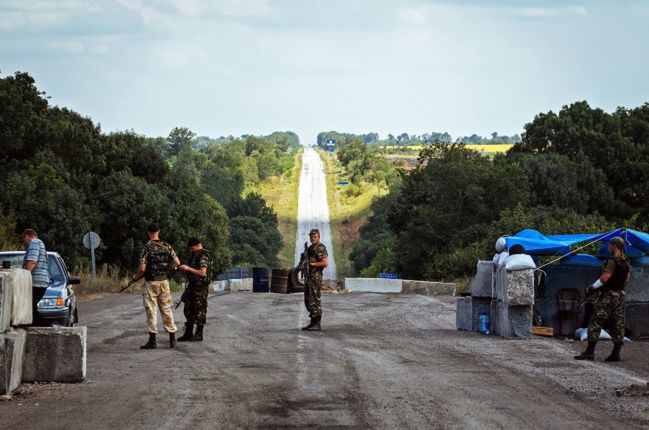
(254, 66)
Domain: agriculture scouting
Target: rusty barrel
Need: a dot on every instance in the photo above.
(279, 281)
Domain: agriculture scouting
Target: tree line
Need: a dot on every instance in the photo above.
(579, 170)
(63, 176)
(404, 139)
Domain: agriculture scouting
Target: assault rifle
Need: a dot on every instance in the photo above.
(131, 283)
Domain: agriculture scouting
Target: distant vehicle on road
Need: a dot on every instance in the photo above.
(59, 303)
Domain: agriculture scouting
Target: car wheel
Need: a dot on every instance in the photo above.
(76, 316)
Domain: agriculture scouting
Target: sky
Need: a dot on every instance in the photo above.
(232, 67)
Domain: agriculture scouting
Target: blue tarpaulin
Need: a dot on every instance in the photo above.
(535, 243)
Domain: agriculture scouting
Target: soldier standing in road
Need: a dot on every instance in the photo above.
(318, 261)
(609, 305)
(198, 275)
(157, 259)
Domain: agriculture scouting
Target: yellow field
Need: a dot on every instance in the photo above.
(480, 148)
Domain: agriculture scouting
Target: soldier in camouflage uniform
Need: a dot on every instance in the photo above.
(198, 275)
(318, 261)
(157, 259)
(609, 305)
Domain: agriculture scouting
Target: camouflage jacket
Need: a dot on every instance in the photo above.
(157, 255)
(198, 260)
(317, 253)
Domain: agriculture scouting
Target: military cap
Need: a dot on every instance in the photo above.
(193, 241)
(152, 228)
(314, 231)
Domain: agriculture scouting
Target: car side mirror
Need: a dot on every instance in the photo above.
(74, 280)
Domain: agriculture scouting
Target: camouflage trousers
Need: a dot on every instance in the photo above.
(157, 295)
(195, 308)
(312, 294)
(609, 306)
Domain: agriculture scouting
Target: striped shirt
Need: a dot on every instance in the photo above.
(40, 273)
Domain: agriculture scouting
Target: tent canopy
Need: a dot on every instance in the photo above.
(536, 243)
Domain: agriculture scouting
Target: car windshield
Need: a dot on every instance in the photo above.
(16, 260)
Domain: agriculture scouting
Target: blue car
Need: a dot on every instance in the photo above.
(59, 303)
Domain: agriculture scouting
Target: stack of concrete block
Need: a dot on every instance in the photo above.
(55, 354)
(15, 309)
(373, 285)
(511, 308)
(243, 284)
(469, 308)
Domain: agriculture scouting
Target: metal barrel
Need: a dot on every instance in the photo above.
(279, 281)
(260, 280)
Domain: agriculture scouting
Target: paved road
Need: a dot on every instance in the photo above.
(382, 361)
(313, 209)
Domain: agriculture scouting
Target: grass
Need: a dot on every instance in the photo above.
(109, 280)
(281, 193)
(347, 213)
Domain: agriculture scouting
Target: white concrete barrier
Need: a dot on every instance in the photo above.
(6, 300)
(244, 284)
(373, 285)
(18, 284)
(481, 284)
(55, 354)
(12, 352)
(428, 288)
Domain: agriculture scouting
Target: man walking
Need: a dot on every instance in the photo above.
(35, 260)
(318, 260)
(157, 259)
(198, 276)
(610, 303)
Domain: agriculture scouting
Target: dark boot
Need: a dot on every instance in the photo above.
(199, 334)
(189, 333)
(615, 355)
(310, 324)
(151, 344)
(172, 340)
(589, 354)
(315, 324)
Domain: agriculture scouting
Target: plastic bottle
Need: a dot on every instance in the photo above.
(483, 323)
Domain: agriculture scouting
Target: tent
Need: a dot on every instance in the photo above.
(535, 243)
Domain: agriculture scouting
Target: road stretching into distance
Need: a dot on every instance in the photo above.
(313, 209)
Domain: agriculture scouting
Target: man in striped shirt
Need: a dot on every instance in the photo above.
(35, 261)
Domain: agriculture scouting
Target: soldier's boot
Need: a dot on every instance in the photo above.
(615, 355)
(189, 333)
(315, 324)
(310, 324)
(589, 354)
(151, 344)
(199, 333)
(172, 340)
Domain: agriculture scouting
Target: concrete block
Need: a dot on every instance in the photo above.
(22, 307)
(479, 305)
(637, 290)
(243, 284)
(12, 352)
(55, 354)
(515, 288)
(637, 319)
(428, 288)
(513, 322)
(373, 285)
(493, 316)
(481, 284)
(463, 314)
(6, 301)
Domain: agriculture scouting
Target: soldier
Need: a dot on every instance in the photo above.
(198, 275)
(318, 261)
(157, 259)
(609, 305)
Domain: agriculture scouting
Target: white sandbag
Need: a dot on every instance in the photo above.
(582, 334)
(501, 244)
(502, 257)
(519, 262)
(495, 259)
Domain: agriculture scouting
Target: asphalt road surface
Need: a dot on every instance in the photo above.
(382, 361)
(313, 209)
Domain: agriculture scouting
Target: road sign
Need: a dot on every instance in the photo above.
(91, 240)
(331, 142)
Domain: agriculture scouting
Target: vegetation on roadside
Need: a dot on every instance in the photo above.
(63, 176)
